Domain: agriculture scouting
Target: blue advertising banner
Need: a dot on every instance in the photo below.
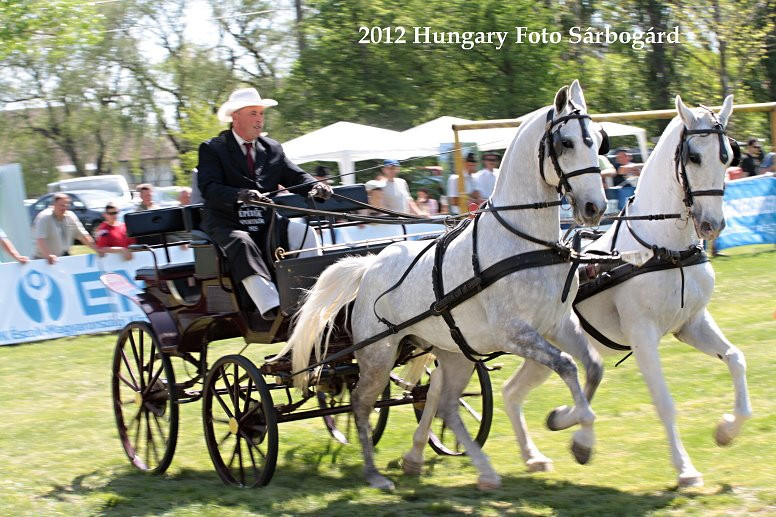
(750, 212)
(42, 301)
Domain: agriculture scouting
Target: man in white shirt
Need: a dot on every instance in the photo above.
(56, 227)
(485, 179)
(469, 166)
(395, 191)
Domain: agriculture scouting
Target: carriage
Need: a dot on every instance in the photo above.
(162, 363)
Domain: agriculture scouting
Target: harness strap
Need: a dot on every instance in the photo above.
(620, 274)
(505, 224)
(397, 284)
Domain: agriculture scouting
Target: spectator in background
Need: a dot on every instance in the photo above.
(485, 179)
(607, 171)
(469, 167)
(768, 164)
(184, 196)
(752, 157)
(111, 235)
(427, 205)
(146, 193)
(395, 192)
(10, 249)
(56, 227)
(625, 169)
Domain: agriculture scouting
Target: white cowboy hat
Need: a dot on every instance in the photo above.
(240, 99)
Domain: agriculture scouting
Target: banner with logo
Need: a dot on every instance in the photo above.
(42, 301)
(750, 212)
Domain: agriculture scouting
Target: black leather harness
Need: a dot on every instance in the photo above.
(662, 259)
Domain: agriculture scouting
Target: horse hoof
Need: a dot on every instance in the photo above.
(539, 465)
(553, 419)
(486, 484)
(381, 483)
(693, 480)
(411, 467)
(581, 453)
(722, 434)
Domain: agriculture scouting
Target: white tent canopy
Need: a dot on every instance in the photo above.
(346, 143)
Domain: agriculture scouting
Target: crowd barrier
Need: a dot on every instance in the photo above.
(750, 212)
(42, 301)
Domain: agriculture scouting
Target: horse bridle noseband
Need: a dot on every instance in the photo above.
(548, 143)
(683, 151)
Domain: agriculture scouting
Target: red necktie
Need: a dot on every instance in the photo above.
(249, 157)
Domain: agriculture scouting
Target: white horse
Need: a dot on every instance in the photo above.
(685, 175)
(520, 314)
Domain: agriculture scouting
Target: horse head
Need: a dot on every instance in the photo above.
(702, 155)
(570, 147)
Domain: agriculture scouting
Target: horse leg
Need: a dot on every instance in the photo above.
(703, 333)
(644, 339)
(413, 460)
(530, 375)
(374, 373)
(457, 371)
(524, 341)
(569, 338)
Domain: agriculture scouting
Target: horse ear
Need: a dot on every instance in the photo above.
(684, 112)
(576, 95)
(561, 98)
(726, 111)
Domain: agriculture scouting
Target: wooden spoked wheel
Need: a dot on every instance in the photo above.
(342, 426)
(240, 423)
(476, 410)
(144, 399)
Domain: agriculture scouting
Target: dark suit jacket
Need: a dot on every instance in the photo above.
(223, 171)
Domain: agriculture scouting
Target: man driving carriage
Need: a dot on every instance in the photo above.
(236, 168)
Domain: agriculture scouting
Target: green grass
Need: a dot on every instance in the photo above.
(59, 451)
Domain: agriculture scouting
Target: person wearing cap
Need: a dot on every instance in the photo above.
(469, 167)
(395, 191)
(485, 179)
(238, 167)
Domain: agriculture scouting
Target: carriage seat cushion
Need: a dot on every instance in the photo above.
(166, 272)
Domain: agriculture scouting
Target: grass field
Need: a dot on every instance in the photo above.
(60, 454)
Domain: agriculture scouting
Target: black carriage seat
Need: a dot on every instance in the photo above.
(159, 228)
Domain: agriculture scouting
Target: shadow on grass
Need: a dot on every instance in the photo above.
(303, 488)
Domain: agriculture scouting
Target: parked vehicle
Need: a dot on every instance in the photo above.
(115, 184)
(88, 205)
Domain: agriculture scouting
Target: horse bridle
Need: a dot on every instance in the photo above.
(683, 152)
(550, 143)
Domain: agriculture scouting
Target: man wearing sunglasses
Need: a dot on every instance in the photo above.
(111, 235)
(753, 157)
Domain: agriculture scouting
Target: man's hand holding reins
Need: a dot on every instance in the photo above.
(251, 196)
(321, 191)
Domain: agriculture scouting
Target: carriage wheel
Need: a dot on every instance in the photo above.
(342, 426)
(144, 398)
(241, 429)
(476, 410)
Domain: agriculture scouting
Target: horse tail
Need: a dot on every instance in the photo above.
(337, 286)
(416, 368)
